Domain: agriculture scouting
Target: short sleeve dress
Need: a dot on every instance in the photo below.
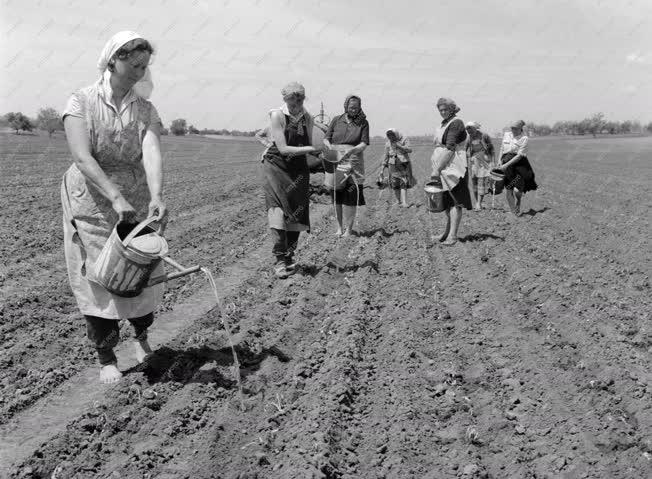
(116, 139)
(519, 175)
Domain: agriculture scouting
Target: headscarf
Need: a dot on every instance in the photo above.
(473, 124)
(400, 140)
(360, 117)
(449, 103)
(293, 88)
(397, 135)
(145, 86)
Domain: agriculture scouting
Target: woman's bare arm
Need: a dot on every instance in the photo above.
(279, 138)
(153, 164)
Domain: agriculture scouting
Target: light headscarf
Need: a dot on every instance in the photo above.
(396, 133)
(145, 86)
(473, 124)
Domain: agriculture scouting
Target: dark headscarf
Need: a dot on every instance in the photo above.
(360, 117)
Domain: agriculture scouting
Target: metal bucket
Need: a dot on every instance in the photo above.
(497, 174)
(434, 196)
(497, 180)
(335, 179)
(122, 268)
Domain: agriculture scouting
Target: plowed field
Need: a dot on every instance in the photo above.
(523, 351)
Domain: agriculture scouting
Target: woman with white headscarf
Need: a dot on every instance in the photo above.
(397, 159)
(116, 176)
(481, 156)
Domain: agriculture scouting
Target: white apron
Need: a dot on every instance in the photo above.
(456, 169)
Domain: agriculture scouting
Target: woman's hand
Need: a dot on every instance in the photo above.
(125, 211)
(347, 154)
(157, 208)
(320, 148)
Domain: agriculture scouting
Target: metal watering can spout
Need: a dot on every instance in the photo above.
(181, 271)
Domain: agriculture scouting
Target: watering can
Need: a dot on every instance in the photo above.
(130, 256)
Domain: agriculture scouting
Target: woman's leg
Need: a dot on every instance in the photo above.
(141, 345)
(105, 334)
(279, 250)
(444, 236)
(349, 219)
(404, 197)
(475, 192)
(338, 214)
(397, 195)
(517, 204)
(292, 241)
(511, 201)
(455, 218)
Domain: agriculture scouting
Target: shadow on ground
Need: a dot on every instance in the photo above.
(188, 366)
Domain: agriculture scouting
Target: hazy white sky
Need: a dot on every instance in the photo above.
(221, 64)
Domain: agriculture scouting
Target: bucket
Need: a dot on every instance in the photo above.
(336, 176)
(497, 175)
(434, 196)
(128, 258)
(497, 181)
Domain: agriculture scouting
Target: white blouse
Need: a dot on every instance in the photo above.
(514, 144)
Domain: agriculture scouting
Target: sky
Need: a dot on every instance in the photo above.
(221, 64)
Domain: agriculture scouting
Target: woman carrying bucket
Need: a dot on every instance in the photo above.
(348, 135)
(481, 155)
(116, 176)
(449, 166)
(286, 174)
(519, 175)
(397, 159)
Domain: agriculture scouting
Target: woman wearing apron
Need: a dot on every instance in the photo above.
(113, 135)
(349, 135)
(286, 174)
(450, 166)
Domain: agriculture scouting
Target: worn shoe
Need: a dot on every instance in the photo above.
(280, 271)
(290, 265)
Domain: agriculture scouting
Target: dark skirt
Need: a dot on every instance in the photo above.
(459, 195)
(519, 175)
(286, 186)
(350, 195)
(400, 176)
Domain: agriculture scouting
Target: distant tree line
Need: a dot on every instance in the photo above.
(49, 119)
(180, 127)
(593, 125)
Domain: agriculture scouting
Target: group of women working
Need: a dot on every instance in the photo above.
(456, 147)
(116, 178)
